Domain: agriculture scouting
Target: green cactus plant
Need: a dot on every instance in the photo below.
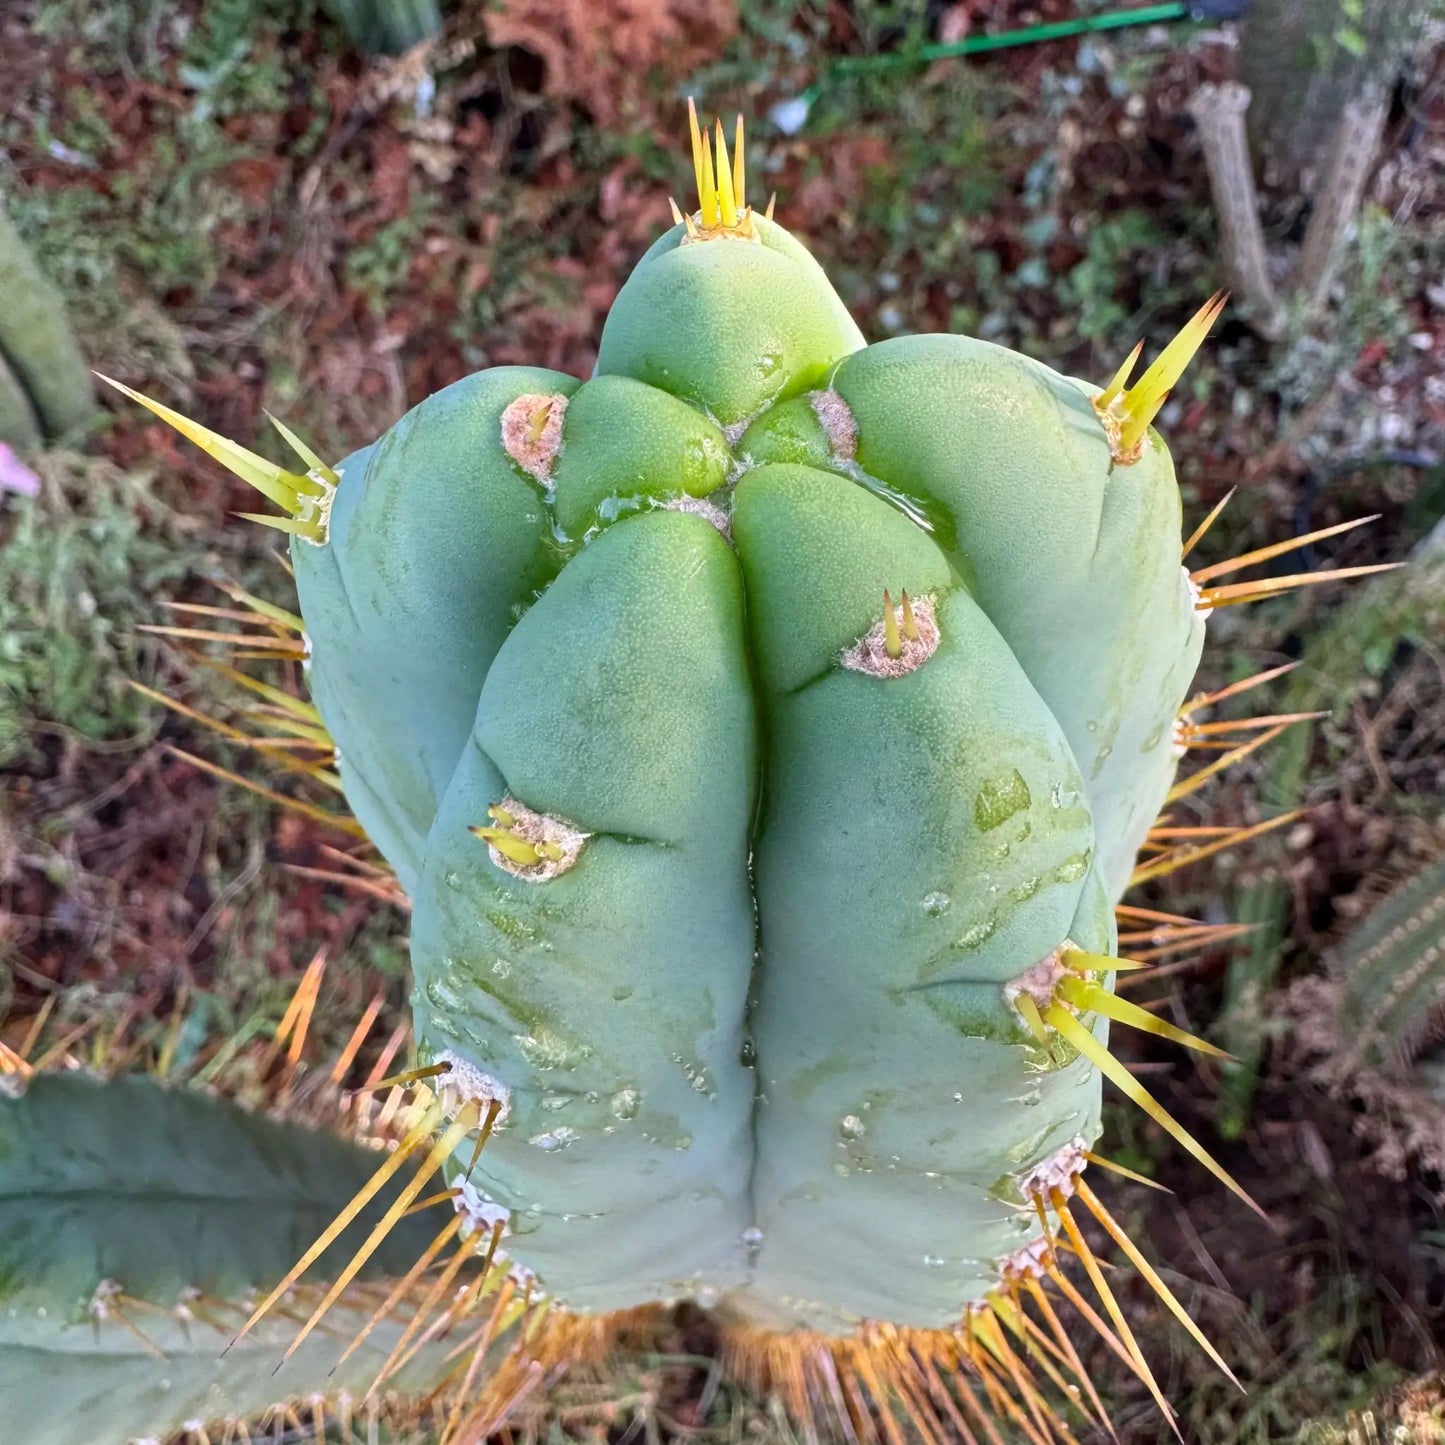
(125, 1269)
(45, 389)
(763, 924)
(388, 27)
(1391, 973)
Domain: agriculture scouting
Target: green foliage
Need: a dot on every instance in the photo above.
(81, 567)
(143, 219)
(151, 232)
(378, 267)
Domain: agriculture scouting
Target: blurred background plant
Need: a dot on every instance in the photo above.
(328, 208)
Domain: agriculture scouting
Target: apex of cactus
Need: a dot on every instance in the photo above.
(723, 212)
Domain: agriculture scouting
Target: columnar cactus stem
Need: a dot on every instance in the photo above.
(783, 921)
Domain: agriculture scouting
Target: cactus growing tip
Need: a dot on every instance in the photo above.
(723, 212)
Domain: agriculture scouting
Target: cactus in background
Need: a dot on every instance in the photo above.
(388, 27)
(142, 1215)
(764, 731)
(1362, 1032)
(18, 425)
(135, 1223)
(45, 389)
(1390, 969)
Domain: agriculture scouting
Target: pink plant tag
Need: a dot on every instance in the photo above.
(15, 476)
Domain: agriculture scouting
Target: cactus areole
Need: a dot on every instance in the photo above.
(764, 730)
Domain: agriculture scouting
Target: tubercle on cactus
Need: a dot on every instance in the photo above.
(996, 1342)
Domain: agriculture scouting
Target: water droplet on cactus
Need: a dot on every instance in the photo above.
(852, 1127)
(999, 799)
(545, 1050)
(452, 878)
(933, 1261)
(626, 1103)
(1030, 1147)
(553, 1139)
(1072, 869)
(442, 996)
(748, 1054)
(752, 1236)
(622, 993)
(554, 1102)
(976, 936)
(936, 903)
(682, 1142)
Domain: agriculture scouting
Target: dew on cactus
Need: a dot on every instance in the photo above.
(765, 731)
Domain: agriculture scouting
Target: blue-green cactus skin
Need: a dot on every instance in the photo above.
(751, 1015)
(1008, 461)
(436, 547)
(138, 1224)
(731, 328)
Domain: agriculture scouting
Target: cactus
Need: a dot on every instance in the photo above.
(18, 425)
(135, 1223)
(1362, 1031)
(155, 1181)
(44, 385)
(1391, 972)
(388, 27)
(764, 730)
